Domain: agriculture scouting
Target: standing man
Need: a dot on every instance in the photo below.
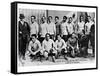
(48, 47)
(81, 25)
(64, 29)
(43, 29)
(24, 32)
(88, 29)
(51, 28)
(70, 27)
(92, 39)
(58, 25)
(88, 25)
(34, 26)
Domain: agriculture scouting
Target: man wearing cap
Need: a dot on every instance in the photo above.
(24, 31)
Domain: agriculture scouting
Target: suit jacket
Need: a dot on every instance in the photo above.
(24, 29)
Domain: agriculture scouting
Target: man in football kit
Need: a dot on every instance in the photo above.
(34, 47)
(43, 28)
(58, 25)
(34, 27)
(72, 45)
(64, 29)
(61, 47)
(48, 47)
(51, 28)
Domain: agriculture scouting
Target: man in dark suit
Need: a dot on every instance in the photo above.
(24, 31)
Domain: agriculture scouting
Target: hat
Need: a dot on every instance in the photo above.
(21, 16)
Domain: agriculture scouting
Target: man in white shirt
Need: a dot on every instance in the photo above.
(43, 29)
(34, 47)
(81, 25)
(61, 47)
(51, 28)
(70, 26)
(88, 25)
(34, 26)
(48, 47)
(64, 29)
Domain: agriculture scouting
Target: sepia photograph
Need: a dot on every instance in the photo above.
(54, 37)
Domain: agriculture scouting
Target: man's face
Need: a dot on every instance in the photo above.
(32, 19)
(82, 18)
(33, 38)
(73, 35)
(44, 19)
(70, 19)
(89, 18)
(22, 19)
(50, 19)
(47, 37)
(64, 19)
(59, 38)
(56, 20)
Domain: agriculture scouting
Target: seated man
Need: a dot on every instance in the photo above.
(48, 47)
(61, 47)
(73, 45)
(34, 47)
(83, 45)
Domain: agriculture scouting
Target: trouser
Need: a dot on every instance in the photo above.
(51, 52)
(62, 51)
(38, 54)
(84, 51)
(73, 52)
(92, 41)
(22, 45)
(65, 37)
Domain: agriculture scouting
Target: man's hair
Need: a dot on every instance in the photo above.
(47, 34)
(33, 35)
(50, 16)
(70, 17)
(43, 17)
(58, 35)
(33, 16)
(81, 16)
(57, 17)
(65, 17)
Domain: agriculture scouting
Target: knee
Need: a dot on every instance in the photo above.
(45, 54)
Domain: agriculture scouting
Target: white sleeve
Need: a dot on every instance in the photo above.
(37, 28)
(64, 44)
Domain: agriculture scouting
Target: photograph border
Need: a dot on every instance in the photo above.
(14, 36)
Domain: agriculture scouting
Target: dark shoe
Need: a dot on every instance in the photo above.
(65, 57)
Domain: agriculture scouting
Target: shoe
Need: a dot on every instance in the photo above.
(65, 57)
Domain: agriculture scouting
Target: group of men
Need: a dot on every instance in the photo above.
(66, 38)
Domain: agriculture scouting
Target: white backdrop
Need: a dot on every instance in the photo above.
(5, 37)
